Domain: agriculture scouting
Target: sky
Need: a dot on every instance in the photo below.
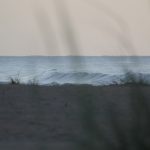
(74, 27)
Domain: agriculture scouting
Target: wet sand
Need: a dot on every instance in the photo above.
(74, 117)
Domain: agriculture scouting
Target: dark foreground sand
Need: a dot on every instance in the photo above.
(74, 117)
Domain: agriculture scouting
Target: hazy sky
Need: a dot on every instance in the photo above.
(74, 27)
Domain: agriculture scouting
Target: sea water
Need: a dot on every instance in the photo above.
(92, 70)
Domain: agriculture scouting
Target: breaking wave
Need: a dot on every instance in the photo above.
(52, 78)
(75, 70)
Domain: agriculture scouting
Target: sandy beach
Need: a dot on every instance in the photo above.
(74, 117)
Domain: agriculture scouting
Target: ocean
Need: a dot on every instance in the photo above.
(93, 70)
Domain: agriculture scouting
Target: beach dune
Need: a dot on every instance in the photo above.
(74, 117)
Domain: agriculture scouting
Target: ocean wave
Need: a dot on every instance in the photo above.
(54, 77)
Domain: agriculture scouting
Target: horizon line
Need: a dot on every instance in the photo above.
(74, 55)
